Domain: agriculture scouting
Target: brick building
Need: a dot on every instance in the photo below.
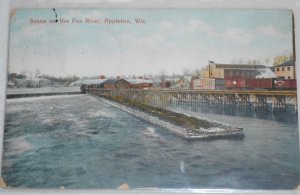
(286, 70)
(221, 71)
(115, 84)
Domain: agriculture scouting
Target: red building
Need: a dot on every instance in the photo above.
(140, 83)
(116, 84)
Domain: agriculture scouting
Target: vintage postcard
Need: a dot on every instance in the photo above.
(151, 98)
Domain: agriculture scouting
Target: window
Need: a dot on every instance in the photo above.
(278, 69)
(282, 68)
(289, 77)
(288, 68)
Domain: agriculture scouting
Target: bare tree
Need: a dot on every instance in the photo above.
(162, 76)
(198, 71)
(187, 71)
(37, 73)
(279, 59)
(267, 60)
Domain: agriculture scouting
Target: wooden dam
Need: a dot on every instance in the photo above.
(258, 99)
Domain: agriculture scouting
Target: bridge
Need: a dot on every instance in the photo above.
(259, 99)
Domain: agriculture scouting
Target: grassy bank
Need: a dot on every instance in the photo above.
(174, 118)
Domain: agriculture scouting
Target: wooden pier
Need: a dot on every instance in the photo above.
(258, 99)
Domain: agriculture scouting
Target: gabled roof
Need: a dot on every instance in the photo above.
(287, 63)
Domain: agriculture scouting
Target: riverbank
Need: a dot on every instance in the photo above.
(187, 127)
(43, 91)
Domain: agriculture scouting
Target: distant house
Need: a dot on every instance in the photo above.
(165, 84)
(115, 84)
(169, 83)
(122, 84)
(208, 83)
(186, 82)
(140, 83)
(40, 82)
(204, 83)
(286, 70)
(22, 83)
(92, 83)
(29, 83)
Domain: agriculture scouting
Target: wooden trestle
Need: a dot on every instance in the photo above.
(259, 99)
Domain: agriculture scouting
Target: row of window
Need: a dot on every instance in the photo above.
(209, 82)
(285, 77)
(240, 73)
(283, 69)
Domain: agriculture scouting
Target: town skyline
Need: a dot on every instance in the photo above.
(169, 41)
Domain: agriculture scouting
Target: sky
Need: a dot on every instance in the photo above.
(170, 40)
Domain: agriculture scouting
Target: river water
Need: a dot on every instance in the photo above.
(77, 141)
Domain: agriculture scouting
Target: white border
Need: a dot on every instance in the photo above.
(7, 5)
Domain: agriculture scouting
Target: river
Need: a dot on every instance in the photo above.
(77, 141)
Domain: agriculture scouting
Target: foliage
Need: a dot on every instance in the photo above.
(279, 59)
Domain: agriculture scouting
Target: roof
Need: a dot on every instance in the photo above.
(247, 69)
(266, 73)
(109, 81)
(242, 66)
(287, 63)
(89, 81)
(138, 81)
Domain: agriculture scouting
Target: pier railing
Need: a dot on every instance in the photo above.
(259, 99)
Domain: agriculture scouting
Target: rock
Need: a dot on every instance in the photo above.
(124, 186)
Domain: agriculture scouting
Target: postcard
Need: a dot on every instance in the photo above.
(151, 98)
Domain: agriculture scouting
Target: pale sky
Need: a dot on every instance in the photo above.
(169, 41)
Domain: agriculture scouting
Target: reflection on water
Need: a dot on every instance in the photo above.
(81, 142)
